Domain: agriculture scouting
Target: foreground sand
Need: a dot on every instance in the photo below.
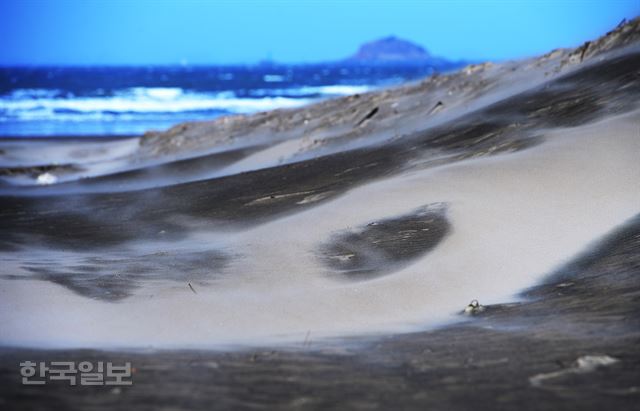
(523, 356)
(329, 242)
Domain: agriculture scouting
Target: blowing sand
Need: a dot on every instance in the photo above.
(514, 218)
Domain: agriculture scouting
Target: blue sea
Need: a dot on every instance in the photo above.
(112, 101)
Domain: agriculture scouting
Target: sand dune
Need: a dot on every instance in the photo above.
(376, 214)
(513, 218)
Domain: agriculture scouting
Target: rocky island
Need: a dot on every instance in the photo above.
(393, 50)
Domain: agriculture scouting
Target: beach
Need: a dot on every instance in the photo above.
(322, 256)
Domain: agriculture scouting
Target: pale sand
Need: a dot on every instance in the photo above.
(514, 218)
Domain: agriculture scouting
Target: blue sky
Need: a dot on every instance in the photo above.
(84, 32)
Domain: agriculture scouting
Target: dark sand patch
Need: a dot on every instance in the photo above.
(384, 246)
(115, 278)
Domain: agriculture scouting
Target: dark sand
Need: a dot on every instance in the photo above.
(382, 246)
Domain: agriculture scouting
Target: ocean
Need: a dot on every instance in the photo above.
(124, 101)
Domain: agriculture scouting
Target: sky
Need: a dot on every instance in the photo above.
(152, 32)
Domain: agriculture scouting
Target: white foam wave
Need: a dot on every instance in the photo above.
(23, 105)
(156, 93)
(323, 91)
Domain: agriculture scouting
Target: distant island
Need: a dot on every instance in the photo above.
(394, 50)
(387, 51)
